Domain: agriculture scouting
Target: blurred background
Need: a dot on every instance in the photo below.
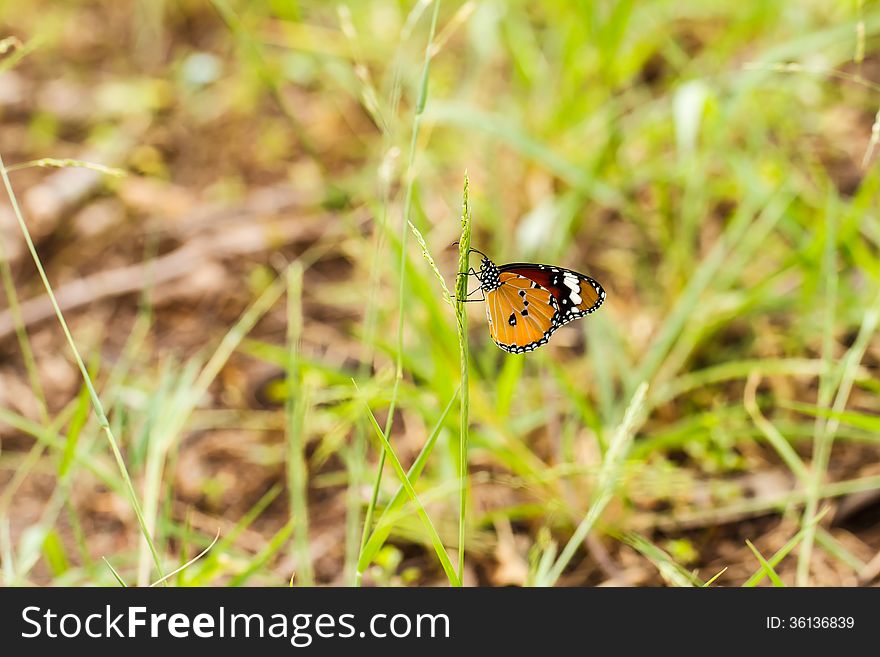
(222, 221)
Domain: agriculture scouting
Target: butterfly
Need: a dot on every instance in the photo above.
(526, 303)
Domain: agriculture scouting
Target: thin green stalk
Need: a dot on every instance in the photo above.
(356, 454)
(260, 559)
(401, 274)
(188, 563)
(55, 163)
(116, 575)
(464, 245)
(295, 407)
(821, 445)
(850, 367)
(780, 554)
(765, 566)
(669, 569)
(836, 549)
(353, 457)
(103, 422)
(771, 433)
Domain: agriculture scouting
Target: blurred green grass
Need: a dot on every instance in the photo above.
(720, 202)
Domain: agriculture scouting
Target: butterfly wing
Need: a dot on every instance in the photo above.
(576, 294)
(522, 314)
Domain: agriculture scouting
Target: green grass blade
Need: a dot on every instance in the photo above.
(401, 296)
(93, 395)
(188, 563)
(464, 246)
(774, 437)
(263, 556)
(821, 437)
(115, 574)
(439, 549)
(828, 431)
(383, 524)
(296, 408)
(711, 580)
(858, 419)
(782, 552)
(765, 566)
(671, 571)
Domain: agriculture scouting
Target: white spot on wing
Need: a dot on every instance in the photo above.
(573, 284)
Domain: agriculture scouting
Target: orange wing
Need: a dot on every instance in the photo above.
(522, 314)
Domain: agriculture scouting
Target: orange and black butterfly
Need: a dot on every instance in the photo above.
(526, 303)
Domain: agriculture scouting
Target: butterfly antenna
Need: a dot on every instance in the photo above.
(471, 250)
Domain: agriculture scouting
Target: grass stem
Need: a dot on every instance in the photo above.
(103, 422)
(296, 408)
(401, 291)
(464, 245)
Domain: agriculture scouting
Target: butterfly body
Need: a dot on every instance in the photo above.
(526, 303)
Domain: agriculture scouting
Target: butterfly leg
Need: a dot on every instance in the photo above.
(470, 272)
(466, 300)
